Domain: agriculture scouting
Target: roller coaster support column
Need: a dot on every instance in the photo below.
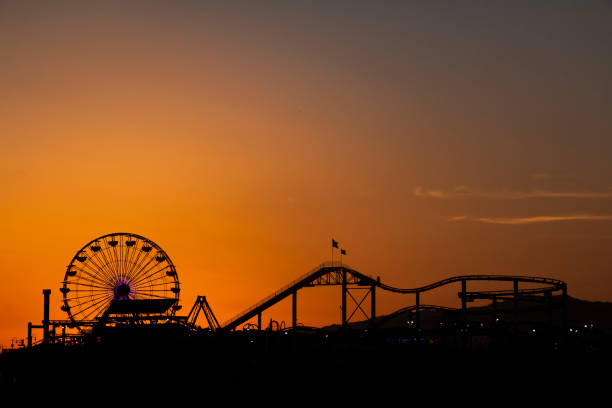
(45, 322)
(550, 308)
(464, 302)
(515, 305)
(417, 303)
(29, 334)
(344, 297)
(294, 320)
(495, 311)
(564, 307)
(373, 305)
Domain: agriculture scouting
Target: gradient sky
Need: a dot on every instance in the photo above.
(430, 138)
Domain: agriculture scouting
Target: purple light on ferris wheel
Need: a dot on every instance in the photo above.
(122, 290)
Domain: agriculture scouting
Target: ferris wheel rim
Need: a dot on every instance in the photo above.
(170, 269)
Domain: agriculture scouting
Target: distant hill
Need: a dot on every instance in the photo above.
(580, 313)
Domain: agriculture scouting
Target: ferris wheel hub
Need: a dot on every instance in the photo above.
(122, 291)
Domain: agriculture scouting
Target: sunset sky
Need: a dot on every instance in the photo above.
(430, 138)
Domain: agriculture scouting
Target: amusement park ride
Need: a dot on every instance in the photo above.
(124, 280)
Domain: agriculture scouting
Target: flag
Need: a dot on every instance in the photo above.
(334, 243)
(343, 252)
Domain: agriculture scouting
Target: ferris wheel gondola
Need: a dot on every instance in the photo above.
(117, 268)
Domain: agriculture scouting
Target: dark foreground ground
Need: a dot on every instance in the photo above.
(354, 362)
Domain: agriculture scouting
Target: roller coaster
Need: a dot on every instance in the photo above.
(336, 273)
(125, 280)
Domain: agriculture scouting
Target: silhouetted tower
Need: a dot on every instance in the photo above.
(45, 322)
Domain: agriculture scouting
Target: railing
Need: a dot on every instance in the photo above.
(329, 264)
(554, 284)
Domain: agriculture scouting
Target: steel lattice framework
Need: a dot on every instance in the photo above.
(116, 269)
(336, 273)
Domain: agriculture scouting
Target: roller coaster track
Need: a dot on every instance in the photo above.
(334, 273)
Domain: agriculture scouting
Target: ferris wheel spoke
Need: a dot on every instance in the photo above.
(107, 298)
(91, 291)
(121, 259)
(125, 257)
(86, 264)
(90, 285)
(84, 296)
(104, 265)
(145, 288)
(146, 291)
(100, 264)
(92, 307)
(95, 311)
(103, 269)
(109, 264)
(141, 263)
(152, 295)
(143, 281)
(133, 264)
(119, 256)
(107, 255)
(149, 257)
(85, 284)
(149, 275)
(112, 256)
(146, 272)
(90, 299)
(126, 260)
(132, 261)
(95, 278)
(83, 278)
(140, 272)
(93, 270)
(148, 283)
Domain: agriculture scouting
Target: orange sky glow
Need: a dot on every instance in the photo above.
(429, 141)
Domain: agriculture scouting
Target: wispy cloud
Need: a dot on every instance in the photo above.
(551, 176)
(464, 192)
(533, 220)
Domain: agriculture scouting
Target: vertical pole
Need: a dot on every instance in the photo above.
(372, 305)
(53, 333)
(343, 297)
(294, 319)
(495, 311)
(29, 334)
(515, 305)
(45, 322)
(464, 301)
(550, 308)
(418, 312)
(564, 307)
(259, 321)
(64, 334)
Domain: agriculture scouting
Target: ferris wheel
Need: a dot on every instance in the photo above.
(116, 268)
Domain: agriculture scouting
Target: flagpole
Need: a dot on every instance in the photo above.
(334, 244)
